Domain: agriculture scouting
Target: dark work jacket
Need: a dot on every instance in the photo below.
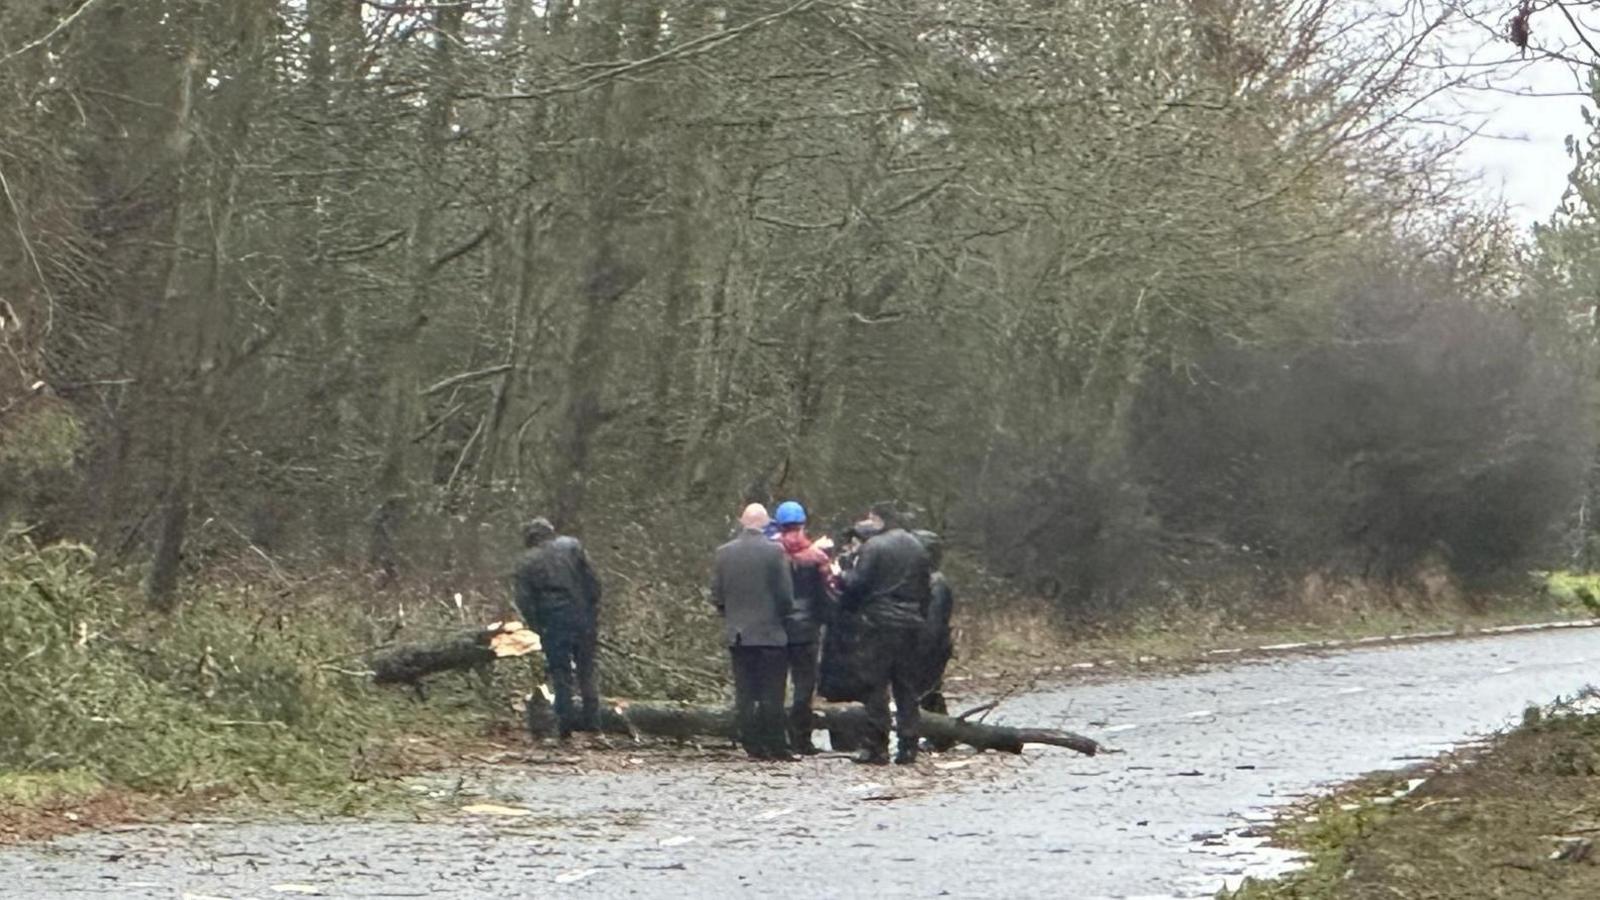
(891, 582)
(935, 646)
(941, 605)
(753, 590)
(812, 605)
(556, 588)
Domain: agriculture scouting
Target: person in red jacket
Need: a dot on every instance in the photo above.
(810, 567)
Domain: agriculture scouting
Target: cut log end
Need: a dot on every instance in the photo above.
(466, 649)
(513, 639)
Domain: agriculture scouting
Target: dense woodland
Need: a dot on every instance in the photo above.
(1119, 295)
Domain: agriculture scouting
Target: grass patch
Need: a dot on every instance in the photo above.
(1515, 819)
(1021, 634)
(49, 789)
(1015, 633)
(1579, 589)
(245, 691)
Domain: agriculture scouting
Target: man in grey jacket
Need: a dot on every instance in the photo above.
(753, 591)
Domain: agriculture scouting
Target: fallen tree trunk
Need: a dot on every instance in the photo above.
(846, 723)
(843, 720)
(465, 649)
(851, 719)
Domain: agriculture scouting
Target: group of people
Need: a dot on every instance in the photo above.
(867, 623)
(862, 621)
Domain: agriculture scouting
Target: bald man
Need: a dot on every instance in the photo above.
(753, 592)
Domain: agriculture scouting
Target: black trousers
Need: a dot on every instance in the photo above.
(894, 671)
(569, 658)
(802, 659)
(758, 677)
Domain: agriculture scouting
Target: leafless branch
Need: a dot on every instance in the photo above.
(60, 26)
(465, 378)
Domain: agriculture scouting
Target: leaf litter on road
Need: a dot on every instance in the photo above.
(494, 809)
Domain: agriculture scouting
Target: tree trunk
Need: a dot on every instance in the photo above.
(403, 375)
(607, 275)
(848, 720)
(161, 582)
(197, 309)
(476, 647)
(466, 649)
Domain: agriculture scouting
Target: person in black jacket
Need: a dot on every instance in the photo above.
(753, 591)
(888, 590)
(937, 646)
(558, 595)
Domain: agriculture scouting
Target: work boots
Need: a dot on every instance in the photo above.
(907, 754)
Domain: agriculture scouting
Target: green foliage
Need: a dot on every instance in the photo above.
(40, 442)
(1332, 825)
(1580, 590)
(230, 694)
(1487, 824)
(32, 790)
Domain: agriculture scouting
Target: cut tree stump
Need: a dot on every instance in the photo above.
(849, 720)
(465, 649)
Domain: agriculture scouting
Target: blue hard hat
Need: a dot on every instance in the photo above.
(790, 513)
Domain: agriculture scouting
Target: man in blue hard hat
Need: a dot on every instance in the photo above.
(808, 564)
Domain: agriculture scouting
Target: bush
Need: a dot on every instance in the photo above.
(1410, 436)
(240, 690)
(1422, 428)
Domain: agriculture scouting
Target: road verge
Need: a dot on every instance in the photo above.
(1515, 816)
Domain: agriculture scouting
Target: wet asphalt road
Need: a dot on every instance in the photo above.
(1205, 754)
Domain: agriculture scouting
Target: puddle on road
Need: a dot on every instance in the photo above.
(1235, 856)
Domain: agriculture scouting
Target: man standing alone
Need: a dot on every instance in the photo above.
(558, 595)
(753, 591)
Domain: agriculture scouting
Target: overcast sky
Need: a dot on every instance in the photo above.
(1520, 152)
